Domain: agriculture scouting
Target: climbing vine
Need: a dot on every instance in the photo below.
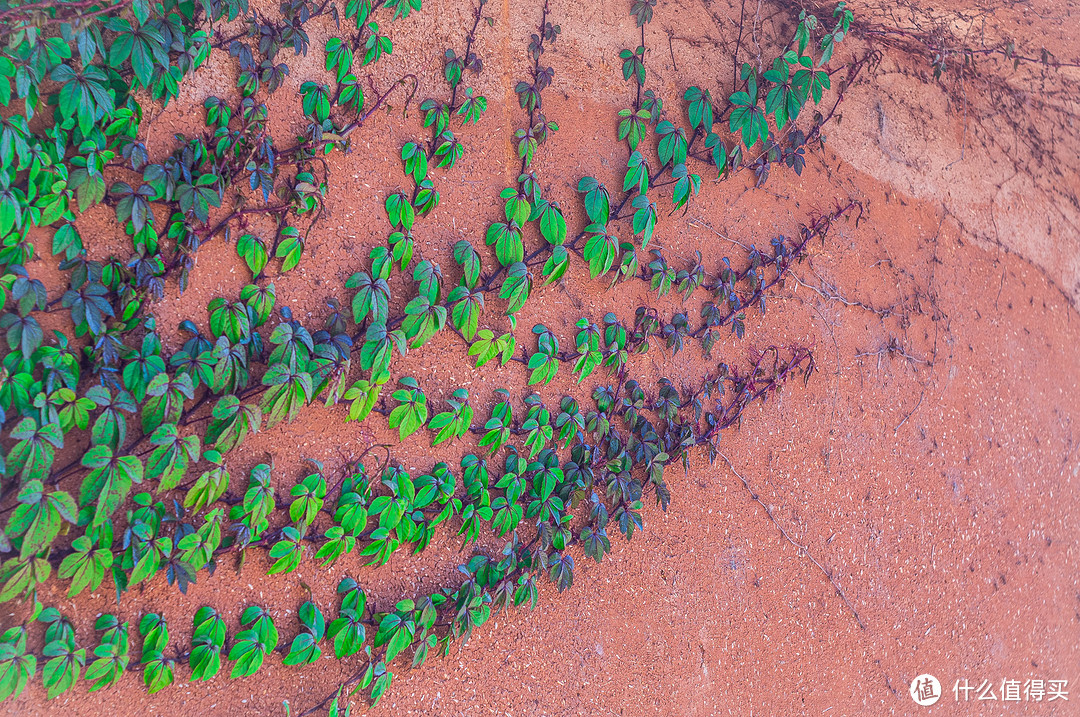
(116, 454)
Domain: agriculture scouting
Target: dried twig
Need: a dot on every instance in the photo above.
(802, 549)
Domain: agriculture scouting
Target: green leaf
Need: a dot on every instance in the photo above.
(86, 566)
(231, 423)
(633, 65)
(16, 667)
(253, 251)
(396, 630)
(258, 619)
(109, 481)
(412, 412)
(64, 667)
(400, 211)
(416, 162)
(290, 249)
(372, 297)
(718, 152)
(588, 347)
(673, 144)
(111, 663)
(484, 348)
(601, 250)
(429, 277)
(517, 208)
(456, 422)
(556, 265)
(597, 202)
(287, 552)
(401, 246)
(207, 642)
(700, 108)
(83, 95)
(402, 8)
(466, 307)
(469, 259)
(289, 391)
(209, 486)
(381, 685)
(747, 117)
(377, 350)
(552, 222)
(308, 499)
(545, 362)
(516, 287)
(448, 149)
(498, 427)
(260, 299)
(363, 394)
(32, 455)
(472, 107)
(633, 127)
(339, 57)
(158, 670)
(166, 399)
(685, 185)
(22, 577)
(423, 319)
(347, 633)
(506, 237)
(67, 240)
(38, 517)
(169, 461)
(562, 571)
(316, 97)
(248, 653)
(637, 174)
(305, 646)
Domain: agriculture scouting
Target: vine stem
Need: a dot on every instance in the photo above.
(27, 10)
(739, 402)
(535, 76)
(469, 39)
(738, 46)
(719, 115)
(434, 144)
(637, 97)
(800, 549)
(818, 228)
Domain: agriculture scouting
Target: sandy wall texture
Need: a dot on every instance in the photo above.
(918, 500)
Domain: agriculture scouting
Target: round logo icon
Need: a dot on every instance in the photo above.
(925, 690)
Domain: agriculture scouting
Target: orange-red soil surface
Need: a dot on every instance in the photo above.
(930, 467)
